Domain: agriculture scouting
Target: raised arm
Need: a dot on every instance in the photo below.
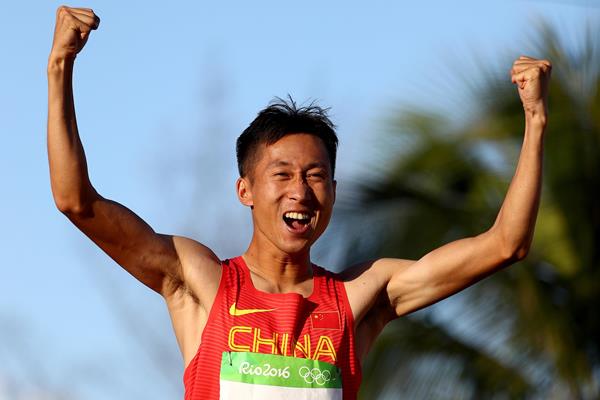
(164, 263)
(454, 266)
(410, 285)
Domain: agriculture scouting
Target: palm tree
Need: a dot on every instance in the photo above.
(531, 330)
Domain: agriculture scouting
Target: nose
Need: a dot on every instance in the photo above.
(299, 189)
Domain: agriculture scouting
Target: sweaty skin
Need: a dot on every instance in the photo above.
(291, 175)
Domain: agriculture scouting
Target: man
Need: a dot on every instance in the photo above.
(269, 323)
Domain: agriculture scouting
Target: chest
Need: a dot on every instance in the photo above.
(287, 325)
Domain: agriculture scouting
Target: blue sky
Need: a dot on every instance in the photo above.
(161, 94)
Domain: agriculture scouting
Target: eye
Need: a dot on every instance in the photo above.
(316, 175)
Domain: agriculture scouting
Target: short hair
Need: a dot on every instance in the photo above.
(282, 118)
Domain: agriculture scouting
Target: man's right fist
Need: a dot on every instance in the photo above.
(73, 27)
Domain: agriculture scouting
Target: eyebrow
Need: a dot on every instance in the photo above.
(282, 163)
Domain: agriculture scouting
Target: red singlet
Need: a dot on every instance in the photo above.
(275, 345)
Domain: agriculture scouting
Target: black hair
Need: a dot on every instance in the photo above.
(283, 118)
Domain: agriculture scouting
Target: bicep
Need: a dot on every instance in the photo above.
(443, 272)
(150, 257)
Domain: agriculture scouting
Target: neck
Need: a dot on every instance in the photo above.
(275, 271)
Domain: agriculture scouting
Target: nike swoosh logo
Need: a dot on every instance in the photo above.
(237, 312)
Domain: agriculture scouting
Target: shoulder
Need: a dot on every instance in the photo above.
(200, 270)
(377, 272)
(319, 270)
(366, 285)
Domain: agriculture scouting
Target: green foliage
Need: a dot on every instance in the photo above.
(528, 331)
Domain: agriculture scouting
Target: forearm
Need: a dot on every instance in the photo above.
(69, 179)
(515, 223)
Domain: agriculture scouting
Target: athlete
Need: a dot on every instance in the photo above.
(270, 323)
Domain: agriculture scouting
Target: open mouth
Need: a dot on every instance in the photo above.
(298, 222)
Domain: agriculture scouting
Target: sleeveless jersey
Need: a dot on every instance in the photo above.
(258, 345)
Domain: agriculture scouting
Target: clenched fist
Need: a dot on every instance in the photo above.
(532, 77)
(73, 27)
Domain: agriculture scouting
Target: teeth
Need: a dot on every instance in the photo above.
(295, 215)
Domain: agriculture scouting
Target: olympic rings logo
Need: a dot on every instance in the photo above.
(314, 375)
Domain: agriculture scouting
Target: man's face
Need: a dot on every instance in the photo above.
(291, 191)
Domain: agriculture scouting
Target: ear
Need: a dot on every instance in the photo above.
(244, 192)
(334, 190)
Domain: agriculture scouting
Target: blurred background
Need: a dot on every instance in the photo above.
(430, 129)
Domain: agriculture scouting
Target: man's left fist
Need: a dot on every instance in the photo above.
(532, 77)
